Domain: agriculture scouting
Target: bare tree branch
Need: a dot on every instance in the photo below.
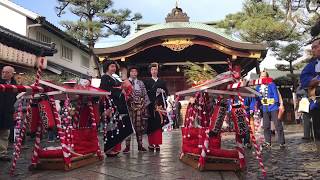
(60, 9)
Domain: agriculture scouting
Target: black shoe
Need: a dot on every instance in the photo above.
(151, 148)
(157, 148)
(112, 154)
(282, 146)
(141, 149)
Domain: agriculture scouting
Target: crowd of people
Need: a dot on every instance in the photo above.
(145, 104)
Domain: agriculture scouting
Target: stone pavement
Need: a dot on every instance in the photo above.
(298, 161)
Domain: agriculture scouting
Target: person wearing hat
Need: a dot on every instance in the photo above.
(138, 102)
(157, 92)
(119, 124)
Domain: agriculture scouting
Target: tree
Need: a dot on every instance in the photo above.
(277, 23)
(197, 74)
(96, 20)
(290, 53)
(260, 22)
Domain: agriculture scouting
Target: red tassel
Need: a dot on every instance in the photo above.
(201, 161)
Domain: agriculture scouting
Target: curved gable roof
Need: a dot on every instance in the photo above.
(180, 28)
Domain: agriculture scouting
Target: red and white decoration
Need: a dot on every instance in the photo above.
(75, 141)
(205, 140)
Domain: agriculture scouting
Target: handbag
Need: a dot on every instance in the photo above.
(281, 108)
(281, 112)
(304, 105)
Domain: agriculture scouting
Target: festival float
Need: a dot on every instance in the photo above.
(76, 124)
(203, 125)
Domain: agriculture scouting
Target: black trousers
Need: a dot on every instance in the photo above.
(316, 123)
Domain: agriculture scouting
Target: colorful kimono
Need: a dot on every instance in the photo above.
(156, 109)
(119, 126)
(138, 102)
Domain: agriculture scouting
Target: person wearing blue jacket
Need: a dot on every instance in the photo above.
(249, 103)
(270, 107)
(310, 77)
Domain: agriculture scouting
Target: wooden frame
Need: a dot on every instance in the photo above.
(60, 92)
(212, 163)
(219, 81)
(58, 163)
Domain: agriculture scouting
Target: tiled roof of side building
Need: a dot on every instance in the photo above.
(54, 29)
(15, 40)
(275, 73)
(46, 24)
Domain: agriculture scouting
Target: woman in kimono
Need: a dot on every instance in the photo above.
(119, 125)
(138, 102)
(157, 92)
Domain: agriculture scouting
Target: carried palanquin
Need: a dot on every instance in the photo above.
(76, 124)
(215, 103)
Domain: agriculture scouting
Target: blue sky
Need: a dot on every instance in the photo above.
(153, 11)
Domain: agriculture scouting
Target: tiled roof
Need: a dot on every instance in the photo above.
(275, 74)
(23, 43)
(55, 30)
(46, 24)
(175, 25)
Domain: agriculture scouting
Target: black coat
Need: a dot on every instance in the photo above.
(154, 122)
(7, 101)
(124, 126)
(112, 85)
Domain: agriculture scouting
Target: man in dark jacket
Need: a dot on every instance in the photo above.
(310, 78)
(7, 101)
(177, 113)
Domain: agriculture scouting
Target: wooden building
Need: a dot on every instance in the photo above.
(22, 53)
(177, 41)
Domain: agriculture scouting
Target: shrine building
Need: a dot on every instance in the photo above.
(173, 43)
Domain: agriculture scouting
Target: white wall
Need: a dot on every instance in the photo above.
(75, 64)
(13, 20)
(16, 18)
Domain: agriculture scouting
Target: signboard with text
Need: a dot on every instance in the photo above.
(16, 56)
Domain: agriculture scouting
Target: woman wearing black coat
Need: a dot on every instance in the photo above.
(119, 123)
(157, 92)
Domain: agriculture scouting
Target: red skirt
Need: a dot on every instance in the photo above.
(117, 148)
(155, 137)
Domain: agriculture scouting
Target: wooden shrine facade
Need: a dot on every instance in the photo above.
(177, 41)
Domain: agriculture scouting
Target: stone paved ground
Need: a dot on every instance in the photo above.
(298, 161)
